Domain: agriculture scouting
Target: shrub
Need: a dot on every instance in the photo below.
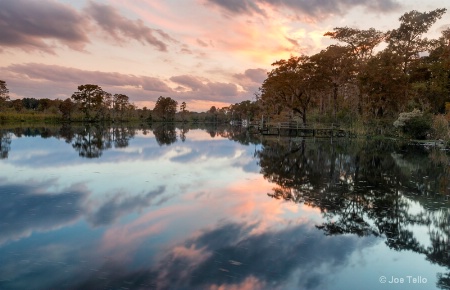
(414, 124)
(418, 127)
(440, 128)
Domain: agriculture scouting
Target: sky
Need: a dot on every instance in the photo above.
(202, 52)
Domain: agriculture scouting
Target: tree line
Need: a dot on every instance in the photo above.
(358, 80)
(90, 103)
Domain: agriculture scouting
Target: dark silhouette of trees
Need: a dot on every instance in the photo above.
(367, 188)
(4, 94)
(121, 104)
(66, 108)
(183, 111)
(165, 134)
(165, 108)
(91, 99)
(289, 84)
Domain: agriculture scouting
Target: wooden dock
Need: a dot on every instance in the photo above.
(297, 129)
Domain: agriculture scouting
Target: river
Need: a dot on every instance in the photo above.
(218, 208)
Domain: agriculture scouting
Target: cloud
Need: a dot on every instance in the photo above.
(251, 79)
(75, 77)
(39, 25)
(202, 43)
(238, 6)
(228, 256)
(53, 81)
(31, 25)
(116, 207)
(122, 29)
(206, 87)
(223, 89)
(189, 81)
(30, 208)
(310, 8)
(329, 7)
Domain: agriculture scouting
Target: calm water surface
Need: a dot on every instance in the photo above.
(170, 208)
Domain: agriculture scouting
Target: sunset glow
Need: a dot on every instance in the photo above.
(203, 52)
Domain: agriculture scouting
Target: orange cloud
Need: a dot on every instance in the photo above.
(124, 239)
(249, 283)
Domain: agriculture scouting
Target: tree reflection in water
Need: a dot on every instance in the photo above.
(368, 188)
(5, 143)
(91, 141)
(165, 133)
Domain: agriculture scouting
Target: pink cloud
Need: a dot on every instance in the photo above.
(121, 29)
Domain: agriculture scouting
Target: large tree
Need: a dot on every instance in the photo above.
(165, 108)
(120, 104)
(430, 78)
(183, 110)
(90, 99)
(407, 41)
(334, 69)
(66, 108)
(383, 81)
(360, 44)
(290, 85)
(4, 94)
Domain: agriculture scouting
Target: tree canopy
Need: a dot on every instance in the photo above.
(356, 79)
(166, 108)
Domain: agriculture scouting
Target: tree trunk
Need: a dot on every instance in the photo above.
(335, 95)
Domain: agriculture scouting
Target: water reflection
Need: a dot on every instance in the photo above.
(5, 143)
(165, 133)
(181, 208)
(92, 140)
(378, 188)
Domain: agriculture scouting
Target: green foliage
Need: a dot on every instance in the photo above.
(418, 127)
(91, 99)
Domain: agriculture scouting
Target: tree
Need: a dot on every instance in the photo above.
(30, 103)
(91, 100)
(66, 108)
(17, 105)
(406, 41)
(44, 104)
(289, 85)
(4, 94)
(384, 83)
(165, 108)
(335, 68)
(430, 78)
(183, 110)
(361, 44)
(120, 104)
